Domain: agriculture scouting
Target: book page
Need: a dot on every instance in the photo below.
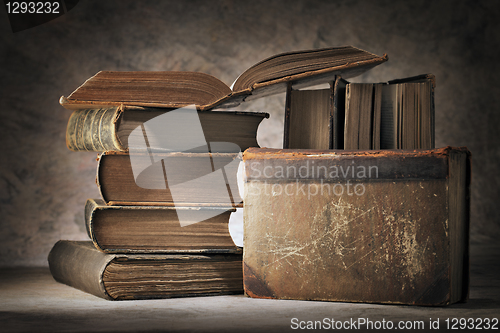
(377, 105)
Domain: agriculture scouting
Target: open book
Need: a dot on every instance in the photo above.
(176, 89)
(398, 114)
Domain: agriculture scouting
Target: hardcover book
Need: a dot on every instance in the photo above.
(111, 128)
(398, 114)
(375, 226)
(185, 179)
(177, 89)
(119, 276)
(156, 229)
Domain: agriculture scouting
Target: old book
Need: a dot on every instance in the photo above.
(186, 179)
(358, 116)
(153, 229)
(314, 118)
(111, 128)
(386, 226)
(308, 129)
(398, 114)
(177, 89)
(119, 277)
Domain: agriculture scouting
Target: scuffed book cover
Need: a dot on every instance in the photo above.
(357, 226)
(111, 128)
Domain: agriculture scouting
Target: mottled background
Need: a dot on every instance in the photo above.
(43, 186)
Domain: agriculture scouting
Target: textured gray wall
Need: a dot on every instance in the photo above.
(43, 186)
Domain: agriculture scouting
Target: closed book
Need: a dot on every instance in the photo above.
(375, 226)
(158, 229)
(115, 128)
(169, 179)
(119, 277)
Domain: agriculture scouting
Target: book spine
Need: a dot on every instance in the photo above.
(90, 207)
(94, 130)
(331, 167)
(79, 265)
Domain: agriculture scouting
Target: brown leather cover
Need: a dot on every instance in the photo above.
(398, 237)
(119, 276)
(80, 265)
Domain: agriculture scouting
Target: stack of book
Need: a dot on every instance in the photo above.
(160, 228)
(358, 206)
(167, 173)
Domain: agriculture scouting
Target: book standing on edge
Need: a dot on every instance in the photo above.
(374, 226)
(398, 114)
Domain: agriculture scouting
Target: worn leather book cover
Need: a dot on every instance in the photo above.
(177, 89)
(375, 226)
(110, 129)
(119, 277)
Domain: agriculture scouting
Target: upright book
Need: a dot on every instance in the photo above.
(398, 114)
(177, 89)
(361, 226)
(119, 276)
